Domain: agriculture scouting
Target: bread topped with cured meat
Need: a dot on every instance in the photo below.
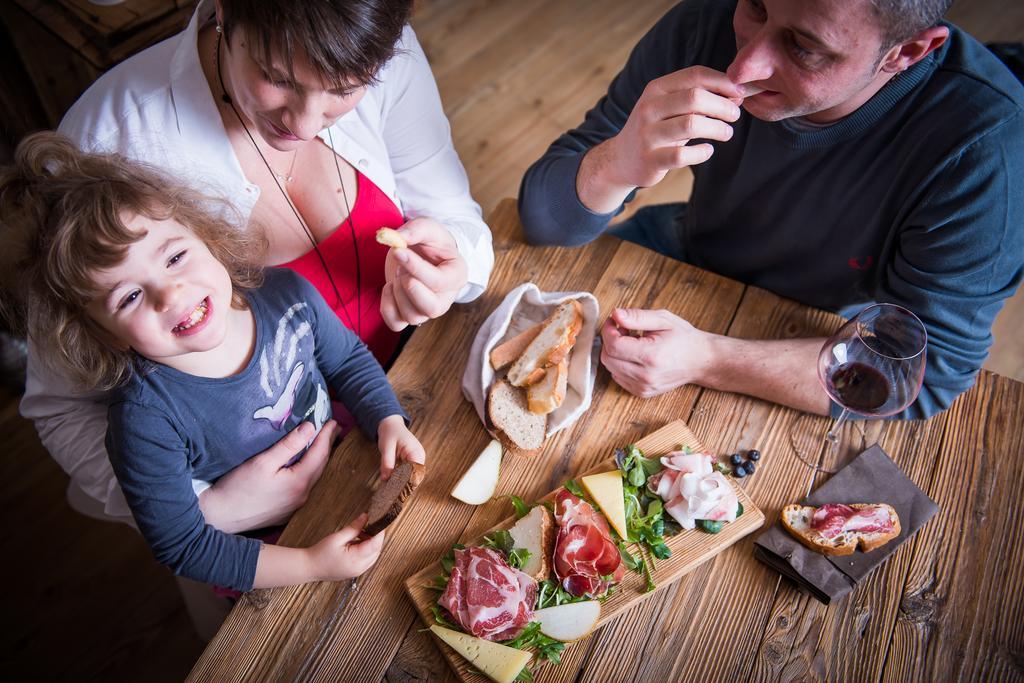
(836, 529)
(550, 346)
(537, 379)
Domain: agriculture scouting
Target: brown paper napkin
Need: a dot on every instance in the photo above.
(872, 477)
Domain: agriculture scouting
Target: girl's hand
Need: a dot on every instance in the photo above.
(424, 278)
(396, 442)
(338, 556)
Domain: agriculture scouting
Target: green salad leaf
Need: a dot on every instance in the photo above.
(547, 648)
(521, 508)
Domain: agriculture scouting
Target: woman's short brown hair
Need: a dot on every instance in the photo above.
(346, 41)
(62, 216)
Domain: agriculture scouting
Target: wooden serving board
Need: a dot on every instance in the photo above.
(690, 549)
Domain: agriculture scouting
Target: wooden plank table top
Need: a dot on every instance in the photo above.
(949, 604)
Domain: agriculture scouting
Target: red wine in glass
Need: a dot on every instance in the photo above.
(874, 364)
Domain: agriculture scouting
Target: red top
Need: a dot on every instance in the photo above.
(372, 210)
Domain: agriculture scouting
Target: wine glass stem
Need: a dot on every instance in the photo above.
(833, 433)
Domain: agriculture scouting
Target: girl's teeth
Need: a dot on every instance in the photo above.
(198, 314)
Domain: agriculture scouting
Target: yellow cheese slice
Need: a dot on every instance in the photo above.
(606, 490)
(500, 662)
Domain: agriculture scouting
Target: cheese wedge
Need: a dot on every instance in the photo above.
(499, 662)
(606, 490)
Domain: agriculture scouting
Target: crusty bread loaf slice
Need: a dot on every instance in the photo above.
(519, 431)
(547, 394)
(797, 521)
(550, 346)
(536, 533)
(505, 353)
(389, 499)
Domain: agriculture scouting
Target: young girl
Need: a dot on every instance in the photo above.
(125, 280)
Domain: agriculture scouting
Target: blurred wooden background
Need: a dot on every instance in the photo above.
(86, 600)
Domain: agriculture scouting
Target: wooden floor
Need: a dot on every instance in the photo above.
(85, 601)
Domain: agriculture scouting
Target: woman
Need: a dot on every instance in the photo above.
(321, 122)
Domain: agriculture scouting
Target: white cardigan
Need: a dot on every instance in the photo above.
(157, 107)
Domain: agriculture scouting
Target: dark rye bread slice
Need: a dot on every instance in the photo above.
(519, 431)
(387, 502)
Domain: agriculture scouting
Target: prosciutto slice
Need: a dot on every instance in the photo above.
(832, 519)
(692, 490)
(487, 597)
(584, 550)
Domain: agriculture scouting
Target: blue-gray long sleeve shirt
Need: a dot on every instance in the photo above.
(916, 198)
(166, 427)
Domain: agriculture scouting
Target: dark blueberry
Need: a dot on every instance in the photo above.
(754, 455)
(749, 467)
(735, 459)
(739, 471)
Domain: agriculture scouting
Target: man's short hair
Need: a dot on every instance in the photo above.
(901, 19)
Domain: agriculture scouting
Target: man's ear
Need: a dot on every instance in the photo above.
(908, 53)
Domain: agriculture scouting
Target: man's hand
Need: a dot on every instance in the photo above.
(262, 491)
(670, 353)
(423, 279)
(696, 102)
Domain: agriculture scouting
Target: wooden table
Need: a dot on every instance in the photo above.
(948, 604)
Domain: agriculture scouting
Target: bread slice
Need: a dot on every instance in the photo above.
(797, 521)
(550, 346)
(536, 533)
(505, 353)
(389, 499)
(546, 395)
(519, 431)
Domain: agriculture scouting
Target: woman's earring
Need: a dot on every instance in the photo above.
(219, 29)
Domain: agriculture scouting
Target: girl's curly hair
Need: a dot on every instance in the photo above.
(62, 214)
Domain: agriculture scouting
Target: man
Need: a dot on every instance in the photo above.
(844, 151)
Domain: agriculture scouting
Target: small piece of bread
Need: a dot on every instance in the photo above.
(536, 532)
(546, 395)
(505, 353)
(391, 238)
(519, 431)
(389, 499)
(551, 345)
(797, 521)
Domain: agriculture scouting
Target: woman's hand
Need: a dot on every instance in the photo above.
(423, 279)
(262, 491)
(396, 442)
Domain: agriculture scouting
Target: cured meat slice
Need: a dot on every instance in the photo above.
(692, 490)
(832, 519)
(587, 561)
(487, 597)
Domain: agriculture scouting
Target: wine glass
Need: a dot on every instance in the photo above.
(874, 364)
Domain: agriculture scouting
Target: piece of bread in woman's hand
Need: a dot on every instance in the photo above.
(391, 238)
(505, 353)
(551, 345)
(546, 395)
(519, 431)
(835, 529)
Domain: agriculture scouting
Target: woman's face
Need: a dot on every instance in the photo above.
(284, 112)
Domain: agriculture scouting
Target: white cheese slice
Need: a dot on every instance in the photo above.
(499, 662)
(606, 490)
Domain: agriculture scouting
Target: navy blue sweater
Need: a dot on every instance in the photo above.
(166, 427)
(917, 198)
